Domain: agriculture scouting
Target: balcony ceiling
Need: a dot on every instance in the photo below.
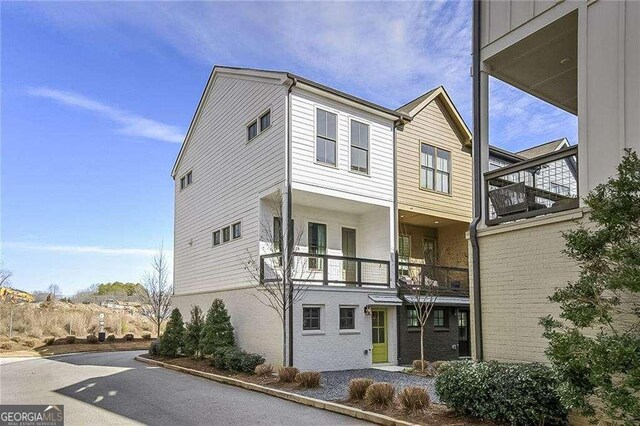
(544, 64)
(417, 219)
(342, 205)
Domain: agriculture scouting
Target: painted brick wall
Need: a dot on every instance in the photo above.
(438, 344)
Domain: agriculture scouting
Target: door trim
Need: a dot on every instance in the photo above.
(386, 334)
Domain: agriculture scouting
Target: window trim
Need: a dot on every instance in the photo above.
(368, 172)
(249, 126)
(411, 308)
(264, 113)
(445, 325)
(256, 120)
(213, 238)
(435, 169)
(186, 180)
(315, 136)
(226, 238)
(320, 329)
(347, 329)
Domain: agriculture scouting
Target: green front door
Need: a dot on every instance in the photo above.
(379, 335)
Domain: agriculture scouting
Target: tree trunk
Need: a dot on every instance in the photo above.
(422, 348)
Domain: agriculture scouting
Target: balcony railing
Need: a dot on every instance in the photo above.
(326, 269)
(542, 185)
(451, 281)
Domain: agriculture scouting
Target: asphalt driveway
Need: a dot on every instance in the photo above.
(113, 388)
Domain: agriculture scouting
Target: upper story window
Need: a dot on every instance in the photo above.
(359, 147)
(186, 180)
(236, 230)
(435, 169)
(326, 130)
(216, 237)
(226, 234)
(259, 125)
(317, 243)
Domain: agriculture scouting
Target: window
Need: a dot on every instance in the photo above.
(252, 130)
(225, 234)
(317, 243)
(438, 318)
(216, 237)
(404, 253)
(186, 180)
(311, 318)
(347, 318)
(359, 147)
(435, 169)
(189, 178)
(236, 230)
(559, 189)
(412, 317)
(326, 137)
(183, 182)
(277, 234)
(430, 251)
(265, 120)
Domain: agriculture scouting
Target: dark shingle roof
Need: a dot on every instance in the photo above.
(541, 149)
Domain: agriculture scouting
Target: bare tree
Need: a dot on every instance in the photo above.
(5, 276)
(54, 291)
(274, 281)
(155, 292)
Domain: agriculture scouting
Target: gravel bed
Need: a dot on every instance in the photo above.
(335, 384)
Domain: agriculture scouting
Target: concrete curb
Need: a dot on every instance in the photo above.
(312, 402)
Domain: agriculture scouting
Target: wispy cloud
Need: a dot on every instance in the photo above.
(130, 124)
(71, 249)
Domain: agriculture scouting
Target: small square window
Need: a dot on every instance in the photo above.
(189, 178)
(183, 182)
(216, 237)
(347, 318)
(265, 120)
(226, 232)
(311, 318)
(412, 317)
(252, 130)
(438, 318)
(236, 230)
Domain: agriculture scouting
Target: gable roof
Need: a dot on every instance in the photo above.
(544, 148)
(281, 77)
(413, 107)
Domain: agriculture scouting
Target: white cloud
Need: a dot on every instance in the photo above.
(81, 249)
(129, 123)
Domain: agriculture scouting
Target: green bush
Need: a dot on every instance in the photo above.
(71, 339)
(172, 341)
(49, 340)
(217, 331)
(154, 348)
(193, 334)
(518, 394)
(92, 338)
(111, 338)
(235, 359)
(128, 337)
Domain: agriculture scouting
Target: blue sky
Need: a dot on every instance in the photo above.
(96, 98)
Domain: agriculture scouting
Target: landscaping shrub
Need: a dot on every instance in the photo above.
(16, 339)
(49, 340)
(235, 359)
(6, 346)
(264, 370)
(380, 393)
(414, 398)
(154, 348)
(217, 331)
(358, 388)
(518, 394)
(111, 338)
(287, 374)
(30, 343)
(193, 334)
(437, 365)
(146, 336)
(92, 338)
(308, 379)
(70, 340)
(172, 340)
(128, 337)
(419, 367)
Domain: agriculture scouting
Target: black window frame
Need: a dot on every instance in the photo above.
(412, 317)
(325, 138)
(236, 225)
(435, 170)
(183, 182)
(267, 115)
(226, 234)
(358, 147)
(348, 321)
(436, 320)
(310, 321)
(251, 136)
(189, 178)
(314, 262)
(216, 238)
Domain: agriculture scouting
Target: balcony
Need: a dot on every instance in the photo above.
(539, 186)
(450, 281)
(325, 269)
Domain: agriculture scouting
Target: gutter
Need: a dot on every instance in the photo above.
(290, 230)
(477, 181)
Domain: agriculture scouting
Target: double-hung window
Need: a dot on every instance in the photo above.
(326, 137)
(359, 147)
(317, 243)
(435, 169)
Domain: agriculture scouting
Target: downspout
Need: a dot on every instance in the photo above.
(477, 181)
(394, 256)
(289, 221)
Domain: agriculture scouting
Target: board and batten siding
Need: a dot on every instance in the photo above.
(229, 174)
(378, 184)
(433, 126)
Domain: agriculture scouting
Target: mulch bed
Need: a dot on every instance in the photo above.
(436, 414)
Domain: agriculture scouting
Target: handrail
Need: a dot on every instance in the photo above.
(535, 161)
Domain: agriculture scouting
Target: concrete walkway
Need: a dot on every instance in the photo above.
(113, 389)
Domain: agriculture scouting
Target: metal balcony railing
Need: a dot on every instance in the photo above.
(451, 281)
(325, 269)
(541, 185)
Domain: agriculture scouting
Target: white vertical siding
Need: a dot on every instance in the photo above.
(378, 184)
(228, 176)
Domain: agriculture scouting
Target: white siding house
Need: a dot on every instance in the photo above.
(255, 135)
